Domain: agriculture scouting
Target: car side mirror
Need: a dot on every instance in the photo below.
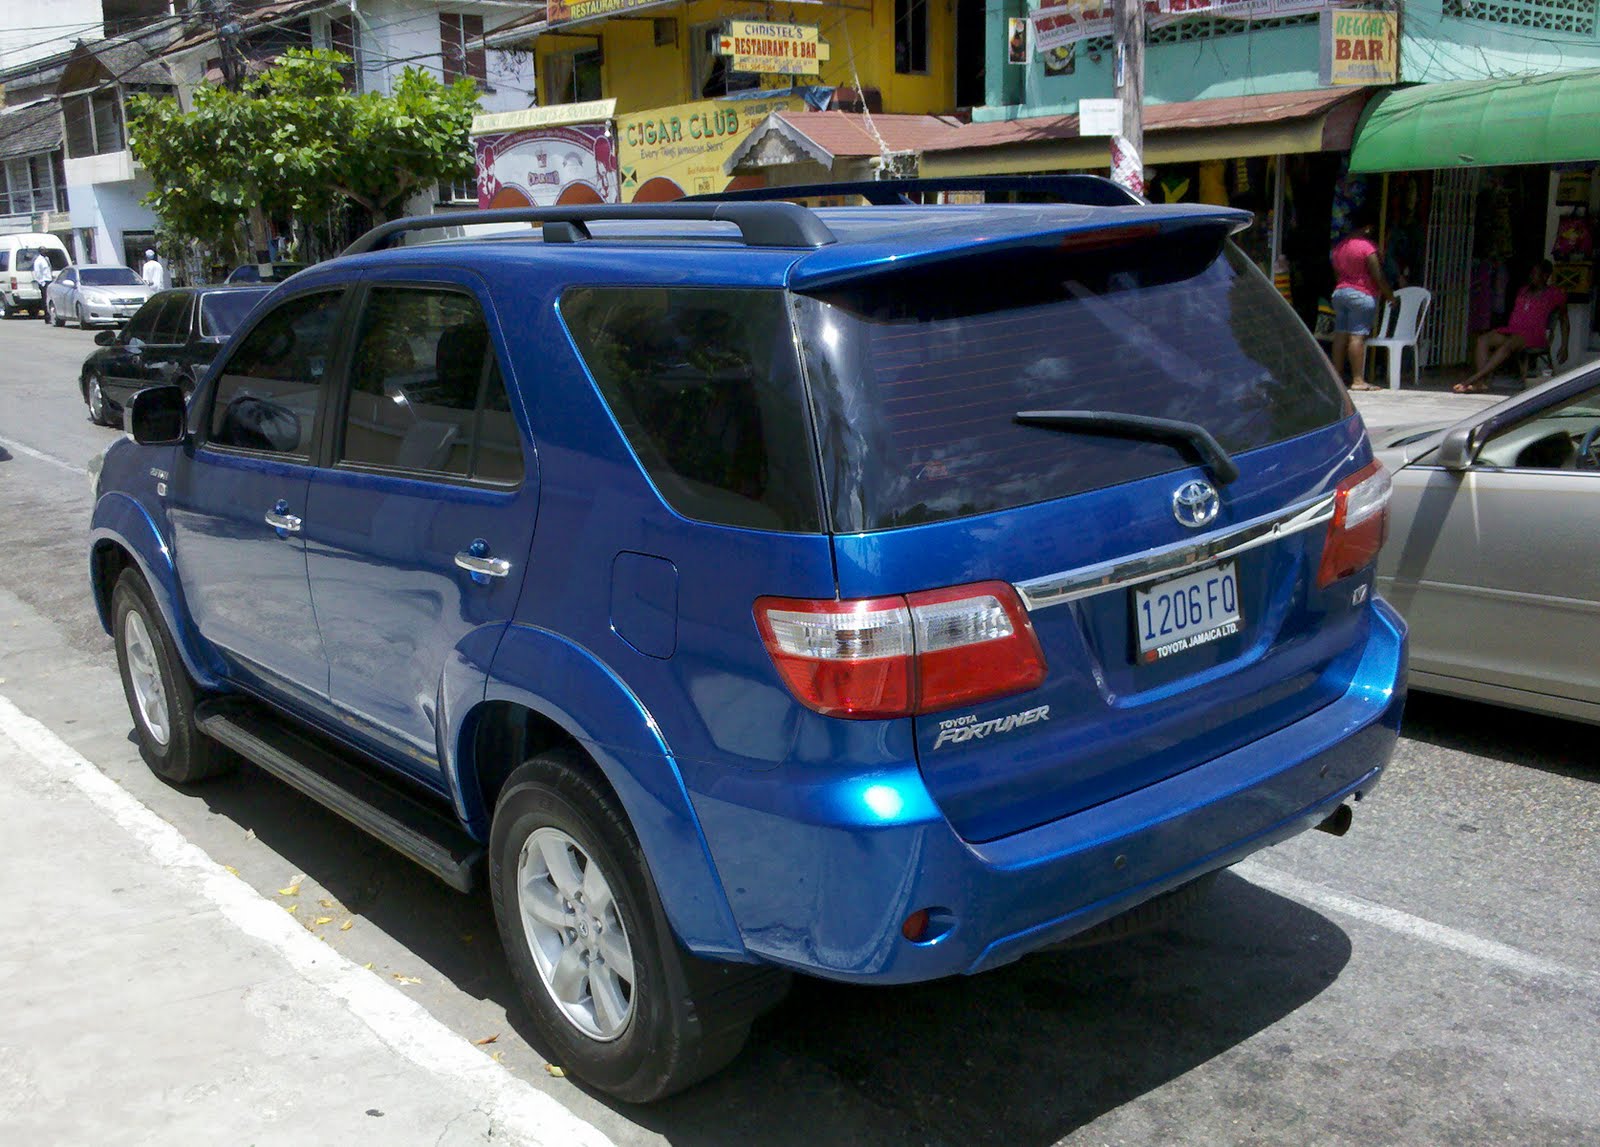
(105, 338)
(157, 416)
(1459, 448)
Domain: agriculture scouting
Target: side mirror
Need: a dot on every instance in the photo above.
(157, 416)
(105, 338)
(1459, 448)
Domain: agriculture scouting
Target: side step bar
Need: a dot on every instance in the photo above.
(430, 837)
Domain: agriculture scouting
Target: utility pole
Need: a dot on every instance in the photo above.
(219, 14)
(1127, 43)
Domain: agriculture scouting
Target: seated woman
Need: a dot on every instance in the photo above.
(1527, 329)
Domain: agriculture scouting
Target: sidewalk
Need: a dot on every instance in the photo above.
(152, 997)
(1385, 410)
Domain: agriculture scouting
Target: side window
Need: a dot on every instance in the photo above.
(1565, 437)
(143, 324)
(269, 389)
(425, 389)
(170, 319)
(68, 276)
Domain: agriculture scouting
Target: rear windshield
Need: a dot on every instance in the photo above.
(706, 386)
(915, 378)
(109, 277)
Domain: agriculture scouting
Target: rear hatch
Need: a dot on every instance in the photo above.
(916, 380)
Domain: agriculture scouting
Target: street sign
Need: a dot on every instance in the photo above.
(1099, 117)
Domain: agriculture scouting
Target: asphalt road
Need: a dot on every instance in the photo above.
(1433, 977)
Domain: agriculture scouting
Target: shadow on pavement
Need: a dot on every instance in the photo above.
(1021, 1056)
(1555, 745)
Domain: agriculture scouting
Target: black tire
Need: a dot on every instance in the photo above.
(689, 1017)
(77, 312)
(186, 756)
(52, 317)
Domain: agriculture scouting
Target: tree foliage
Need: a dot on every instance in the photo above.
(293, 142)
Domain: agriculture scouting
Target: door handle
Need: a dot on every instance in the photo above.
(476, 561)
(280, 519)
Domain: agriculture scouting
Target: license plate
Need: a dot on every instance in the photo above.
(1186, 612)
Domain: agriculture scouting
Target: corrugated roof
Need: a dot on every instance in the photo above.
(849, 135)
(30, 129)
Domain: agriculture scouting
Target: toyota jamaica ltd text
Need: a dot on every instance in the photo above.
(880, 593)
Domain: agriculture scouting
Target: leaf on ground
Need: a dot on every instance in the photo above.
(325, 902)
(498, 1056)
(290, 890)
(367, 966)
(230, 869)
(405, 979)
(291, 907)
(346, 926)
(323, 920)
(558, 1072)
(488, 1039)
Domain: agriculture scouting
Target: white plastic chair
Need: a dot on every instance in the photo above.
(1398, 327)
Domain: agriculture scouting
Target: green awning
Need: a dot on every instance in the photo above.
(1552, 118)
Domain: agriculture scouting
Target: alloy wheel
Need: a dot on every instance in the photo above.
(97, 400)
(144, 671)
(575, 934)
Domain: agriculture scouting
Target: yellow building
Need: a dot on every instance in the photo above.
(672, 88)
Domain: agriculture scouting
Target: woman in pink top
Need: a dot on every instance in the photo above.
(1358, 284)
(1528, 328)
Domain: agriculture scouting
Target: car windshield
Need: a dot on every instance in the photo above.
(222, 311)
(109, 277)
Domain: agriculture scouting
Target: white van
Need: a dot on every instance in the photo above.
(18, 291)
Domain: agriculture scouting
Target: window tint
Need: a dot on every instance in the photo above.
(173, 319)
(425, 389)
(1564, 437)
(221, 312)
(916, 377)
(110, 277)
(142, 325)
(705, 386)
(269, 389)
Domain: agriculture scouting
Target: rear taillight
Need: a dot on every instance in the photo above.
(13, 282)
(1360, 524)
(896, 656)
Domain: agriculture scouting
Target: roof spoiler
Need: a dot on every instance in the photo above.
(760, 224)
(1084, 190)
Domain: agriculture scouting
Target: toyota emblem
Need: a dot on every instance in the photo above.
(1195, 503)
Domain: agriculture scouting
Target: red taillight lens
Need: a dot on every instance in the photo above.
(1360, 524)
(13, 282)
(895, 656)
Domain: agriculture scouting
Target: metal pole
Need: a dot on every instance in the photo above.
(1127, 42)
(1278, 200)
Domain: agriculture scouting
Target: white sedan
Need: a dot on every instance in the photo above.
(95, 293)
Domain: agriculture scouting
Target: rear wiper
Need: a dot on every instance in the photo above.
(1190, 434)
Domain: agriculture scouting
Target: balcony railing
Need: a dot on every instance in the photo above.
(33, 201)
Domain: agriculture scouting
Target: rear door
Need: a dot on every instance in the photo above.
(1179, 612)
(419, 531)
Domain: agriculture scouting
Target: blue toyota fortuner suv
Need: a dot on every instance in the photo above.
(879, 593)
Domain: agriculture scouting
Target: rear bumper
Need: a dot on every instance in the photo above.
(821, 876)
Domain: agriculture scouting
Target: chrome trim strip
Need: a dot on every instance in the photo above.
(1152, 565)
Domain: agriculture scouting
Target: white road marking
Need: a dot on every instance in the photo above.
(19, 448)
(1394, 920)
(528, 1114)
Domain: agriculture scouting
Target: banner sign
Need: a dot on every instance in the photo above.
(555, 115)
(1059, 22)
(570, 11)
(1362, 47)
(542, 167)
(671, 152)
(773, 49)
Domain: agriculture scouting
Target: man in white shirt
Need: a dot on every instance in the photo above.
(153, 272)
(43, 274)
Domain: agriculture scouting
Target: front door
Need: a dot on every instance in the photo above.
(417, 535)
(238, 500)
(153, 340)
(1496, 576)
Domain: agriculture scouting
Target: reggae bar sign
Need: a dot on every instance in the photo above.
(773, 49)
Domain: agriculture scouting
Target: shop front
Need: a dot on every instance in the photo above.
(1479, 181)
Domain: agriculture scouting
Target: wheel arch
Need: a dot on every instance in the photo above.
(547, 691)
(122, 535)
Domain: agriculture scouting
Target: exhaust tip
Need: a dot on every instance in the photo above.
(1338, 821)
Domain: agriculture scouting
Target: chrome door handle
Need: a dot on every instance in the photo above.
(479, 565)
(280, 519)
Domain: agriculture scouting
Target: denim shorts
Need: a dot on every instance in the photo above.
(1353, 312)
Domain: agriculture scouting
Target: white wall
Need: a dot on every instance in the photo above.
(30, 30)
(109, 209)
(396, 34)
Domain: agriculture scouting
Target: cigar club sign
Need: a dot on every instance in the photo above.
(773, 49)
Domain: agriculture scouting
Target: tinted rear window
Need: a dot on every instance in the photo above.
(109, 277)
(915, 378)
(706, 386)
(222, 311)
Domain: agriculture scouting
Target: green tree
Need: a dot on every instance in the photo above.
(293, 142)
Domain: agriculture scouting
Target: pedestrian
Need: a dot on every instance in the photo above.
(153, 272)
(44, 274)
(1359, 282)
(1528, 329)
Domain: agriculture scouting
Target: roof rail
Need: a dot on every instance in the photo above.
(760, 224)
(1088, 190)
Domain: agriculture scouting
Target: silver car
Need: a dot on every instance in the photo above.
(1493, 554)
(95, 293)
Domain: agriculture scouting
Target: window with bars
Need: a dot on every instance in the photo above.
(28, 186)
(461, 46)
(1574, 16)
(1203, 28)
